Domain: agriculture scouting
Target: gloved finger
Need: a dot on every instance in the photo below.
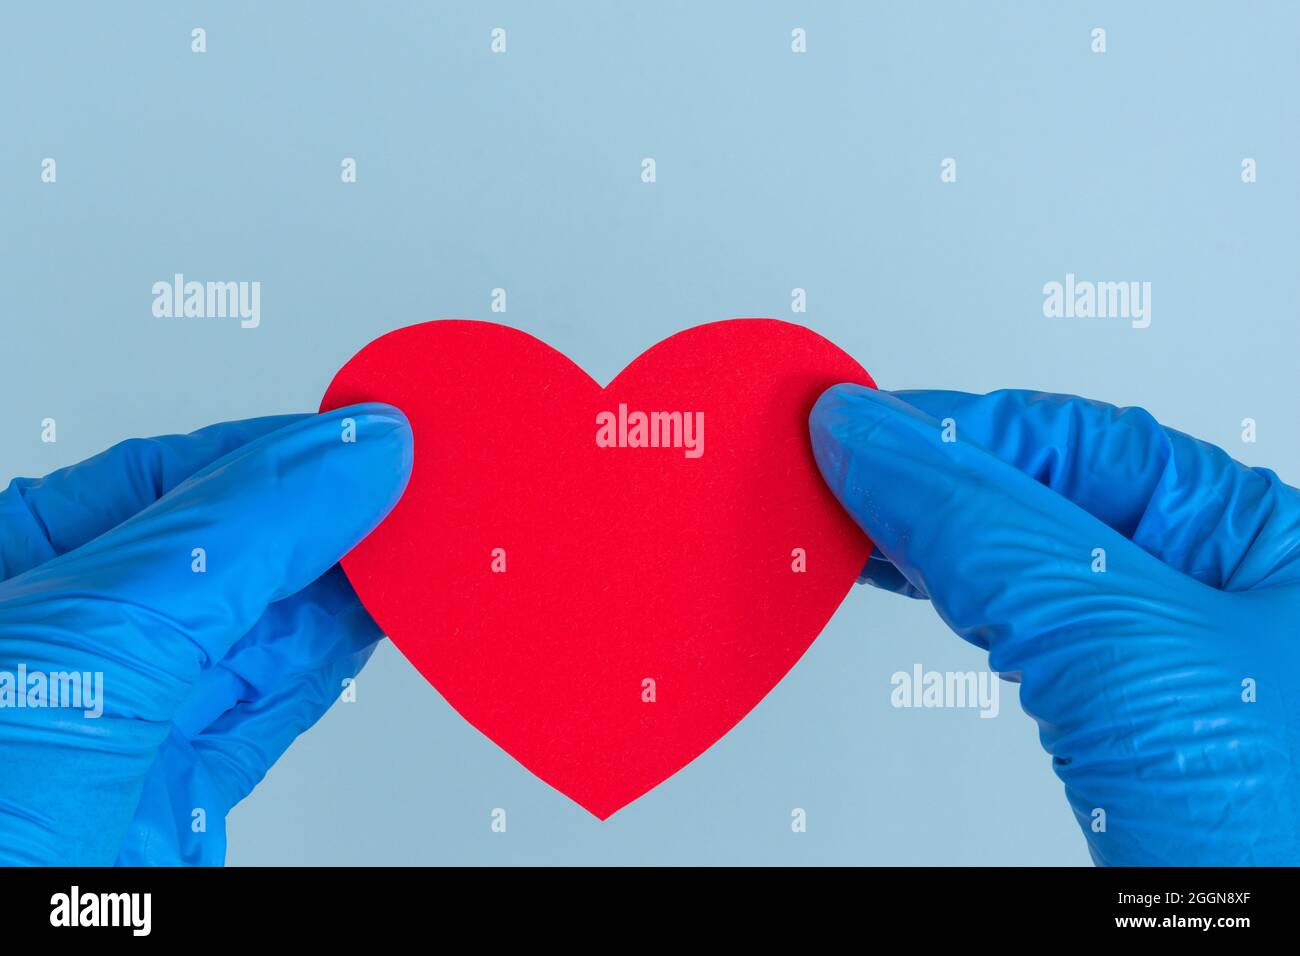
(41, 518)
(299, 635)
(1008, 563)
(173, 824)
(1183, 500)
(177, 584)
(879, 572)
(246, 710)
(242, 744)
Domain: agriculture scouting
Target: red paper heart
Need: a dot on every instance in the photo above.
(622, 564)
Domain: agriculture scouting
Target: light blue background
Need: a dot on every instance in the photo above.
(775, 171)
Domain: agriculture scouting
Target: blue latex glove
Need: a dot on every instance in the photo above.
(207, 676)
(1141, 677)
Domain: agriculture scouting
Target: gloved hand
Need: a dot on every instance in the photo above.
(1166, 687)
(212, 660)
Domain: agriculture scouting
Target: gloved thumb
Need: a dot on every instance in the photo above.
(173, 587)
(1010, 565)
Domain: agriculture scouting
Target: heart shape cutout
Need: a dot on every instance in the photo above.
(605, 595)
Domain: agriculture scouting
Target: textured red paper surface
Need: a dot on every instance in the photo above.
(621, 563)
